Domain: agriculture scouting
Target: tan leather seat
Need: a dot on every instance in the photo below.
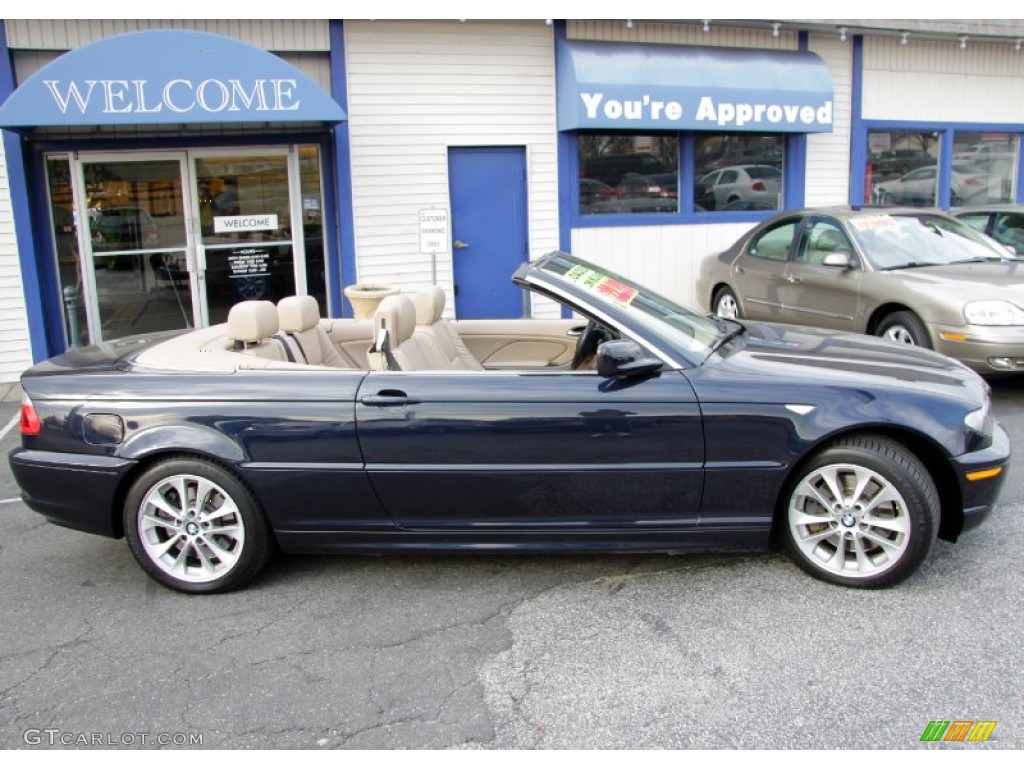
(300, 321)
(251, 327)
(397, 315)
(437, 335)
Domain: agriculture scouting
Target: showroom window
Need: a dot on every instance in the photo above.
(941, 168)
(630, 174)
(984, 168)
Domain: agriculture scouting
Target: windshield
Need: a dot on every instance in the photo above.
(663, 317)
(917, 240)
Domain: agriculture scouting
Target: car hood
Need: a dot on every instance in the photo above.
(1003, 275)
(789, 361)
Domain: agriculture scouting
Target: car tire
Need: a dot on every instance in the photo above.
(863, 512)
(904, 328)
(725, 304)
(215, 546)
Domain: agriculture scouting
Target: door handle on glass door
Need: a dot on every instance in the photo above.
(458, 245)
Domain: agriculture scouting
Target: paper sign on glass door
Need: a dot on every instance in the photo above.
(250, 223)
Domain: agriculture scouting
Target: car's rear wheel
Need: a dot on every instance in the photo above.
(725, 304)
(904, 328)
(862, 513)
(195, 527)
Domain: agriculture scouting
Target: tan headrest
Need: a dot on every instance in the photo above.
(298, 313)
(397, 315)
(252, 321)
(429, 305)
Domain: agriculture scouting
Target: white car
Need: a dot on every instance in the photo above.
(917, 188)
(747, 183)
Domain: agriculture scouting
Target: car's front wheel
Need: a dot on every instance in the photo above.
(904, 328)
(863, 513)
(725, 304)
(195, 527)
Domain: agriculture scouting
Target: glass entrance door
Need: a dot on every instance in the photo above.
(138, 268)
(174, 239)
(247, 242)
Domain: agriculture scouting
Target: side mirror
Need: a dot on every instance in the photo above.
(624, 359)
(838, 260)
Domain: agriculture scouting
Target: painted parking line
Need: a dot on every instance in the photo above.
(9, 426)
(15, 500)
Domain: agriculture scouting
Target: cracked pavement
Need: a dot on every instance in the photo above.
(485, 652)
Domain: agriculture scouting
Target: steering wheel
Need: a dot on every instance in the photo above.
(586, 345)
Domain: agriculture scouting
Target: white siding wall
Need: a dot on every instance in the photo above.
(417, 88)
(15, 351)
(936, 81)
(666, 257)
(828, 154)
(271, 34)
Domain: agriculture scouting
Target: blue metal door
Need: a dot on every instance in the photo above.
(489, 229)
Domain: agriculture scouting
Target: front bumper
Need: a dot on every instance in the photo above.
(979, 496)
(986, 349)
(72, 489)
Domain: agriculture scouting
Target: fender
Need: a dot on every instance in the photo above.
(181, 437)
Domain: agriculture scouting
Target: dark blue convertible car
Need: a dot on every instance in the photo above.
(637, 425)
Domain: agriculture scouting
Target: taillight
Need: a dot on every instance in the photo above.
(30, 424)
(972, 183)
(758, 186)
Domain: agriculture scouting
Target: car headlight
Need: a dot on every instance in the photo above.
(993, 312)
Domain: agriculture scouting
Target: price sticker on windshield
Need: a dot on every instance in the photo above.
(874, 222)
(614, 289)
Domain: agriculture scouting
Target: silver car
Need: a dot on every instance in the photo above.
(914, 277)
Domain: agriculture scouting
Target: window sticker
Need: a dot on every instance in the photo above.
(874, 222)
(602, 284)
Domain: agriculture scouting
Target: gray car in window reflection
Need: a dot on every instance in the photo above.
(742, 183)
(918, 278)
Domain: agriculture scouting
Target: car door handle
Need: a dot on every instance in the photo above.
(388, 397)
(740, 271)
(794, 280)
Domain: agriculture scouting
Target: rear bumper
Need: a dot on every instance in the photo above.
(980, 496)
(72, 489)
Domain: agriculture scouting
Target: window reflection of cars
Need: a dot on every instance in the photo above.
(593, 191)
(919, 186)
(126, 228)
(912, 277)
(760, 183)
(897, 162)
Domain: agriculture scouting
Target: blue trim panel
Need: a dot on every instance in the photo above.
(17, 179)
(945, 179)
(46, 257)
(858, 132)
(794, 177)
(568, 189)
(343, 166)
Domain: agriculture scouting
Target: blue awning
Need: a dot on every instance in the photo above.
(167, 76)
(666, 87)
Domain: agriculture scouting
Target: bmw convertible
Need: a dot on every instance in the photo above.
(632, 425)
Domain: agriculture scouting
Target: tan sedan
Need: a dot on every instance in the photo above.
(911, 276)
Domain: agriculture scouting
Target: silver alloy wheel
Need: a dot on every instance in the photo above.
(899, 334)
(726, 306)
(849, 520)
(190, 528)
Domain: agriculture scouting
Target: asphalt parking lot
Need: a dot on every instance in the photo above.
(509, 652)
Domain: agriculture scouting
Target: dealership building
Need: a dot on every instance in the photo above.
(154, 173)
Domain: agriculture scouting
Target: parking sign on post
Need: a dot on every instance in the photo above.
(434, 235)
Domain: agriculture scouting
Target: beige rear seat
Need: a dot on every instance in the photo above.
(437, 335)
(300, 320)
(251, 326)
